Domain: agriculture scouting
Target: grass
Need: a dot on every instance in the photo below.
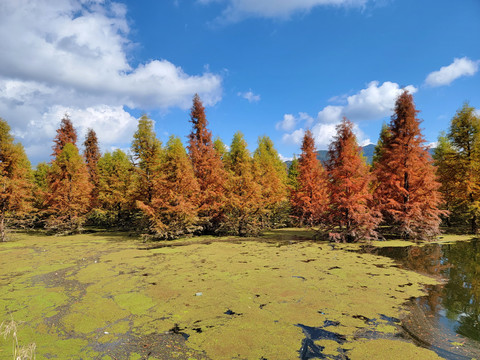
(103, 294)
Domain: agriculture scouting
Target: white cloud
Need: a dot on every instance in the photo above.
(74, 54)
(237, 10)
(250, 96)
(372, 103)
(289, 121)
(284, 158)
(294, 138)
(447, 74)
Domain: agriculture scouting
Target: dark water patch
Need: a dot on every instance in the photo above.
(177, 330)
(310, 350)
(231, 313)
(299, 277)
(317, 333)
(327, 323)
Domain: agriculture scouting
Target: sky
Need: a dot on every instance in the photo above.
(262, 67)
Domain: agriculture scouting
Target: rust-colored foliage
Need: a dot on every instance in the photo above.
(310, 198)
(174, 205)
(349, 216)
(407, 191)
(207, 166)
(69, 188)
(92, 155)
(65, 134)
(15, 177)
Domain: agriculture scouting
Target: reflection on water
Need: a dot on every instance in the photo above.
(450, 313)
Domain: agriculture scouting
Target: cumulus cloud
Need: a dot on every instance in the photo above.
(447, 74)
(237, 10)
(74, 55)
(294, 137)
(290, 121)
(250, 96)
(374, 102)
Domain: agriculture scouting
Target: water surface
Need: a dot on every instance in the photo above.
(447, 320)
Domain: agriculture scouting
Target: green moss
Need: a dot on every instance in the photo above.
(391, 349)
(106, 284)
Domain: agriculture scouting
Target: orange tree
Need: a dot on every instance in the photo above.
(349, 216)
(208, 168)
(309, 196)
(15, 178)
(68, 191)
(92, 155)
(406, 187)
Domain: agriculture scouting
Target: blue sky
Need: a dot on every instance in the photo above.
(263, 67)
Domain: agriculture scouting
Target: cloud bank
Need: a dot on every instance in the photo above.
(374, 102)
(73, 56)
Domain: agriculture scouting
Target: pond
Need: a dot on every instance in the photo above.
(450, 313)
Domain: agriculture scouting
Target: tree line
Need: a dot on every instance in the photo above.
(167, 191)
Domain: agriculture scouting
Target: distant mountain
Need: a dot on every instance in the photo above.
(368, 150)
(322, 155)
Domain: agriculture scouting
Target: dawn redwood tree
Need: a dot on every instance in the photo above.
(173, 209)
(406, 189)
(350, 215)
(147, 156)
(15, 177)
(66, 133)
(207, 166)
(464, 137)
(382, 139)
(92, 155)
(115, 187)
(310, 199)
(293, 173)
(242, 204)
(68, 194)
(449, 176)
(271, 175)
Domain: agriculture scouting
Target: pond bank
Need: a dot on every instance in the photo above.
(105, 296)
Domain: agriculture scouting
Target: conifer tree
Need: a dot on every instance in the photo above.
(448, 175)
(69, 188)
(92, 155)
(407, 191)
(66, 133)
(15, 178)
(40, 184)
(382, 139)
(349, 215)
(147, 155)
(293, 173)
(271, 175)
(310, 199)
(174, 206)
(459, 165)
(207, 166)
(220, 148)
(242, 191)
(115, 187)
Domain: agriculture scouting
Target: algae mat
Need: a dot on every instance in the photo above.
(101, 296)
